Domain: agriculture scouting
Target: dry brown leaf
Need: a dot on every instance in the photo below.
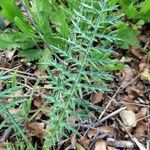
(39, 73)
(128, 118)
(73, 141)
(135, 50)
(100, 145)
(129, 103)
(37, 129)
(97, 97)
(41, 90)
(85, 142)
(92, 133)
(140, 130)
(37, 102)
(142, 113)
(133, 91)
(142, 65)
(126, 98)
(3, 145)
(56, 73)
(107, 129)
(145, 75)
(143, 38)
(127, 75)
(133, 108)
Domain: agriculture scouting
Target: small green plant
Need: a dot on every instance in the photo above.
(10, 119)
(137, 13)
(33, 32)
(136, 10)
(75, 40)
(128, 35)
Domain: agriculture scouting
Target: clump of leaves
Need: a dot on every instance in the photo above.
(41, 23)
(74, 40)
(136, 10)
(137, 14)
(128, 35)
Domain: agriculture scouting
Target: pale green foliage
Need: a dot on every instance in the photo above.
(91, 23)
(137, 13)
(6, 41)
(10, 10)
(13, 120)
(41, 14)
(134, 9)
(77, 45)
(128, 36)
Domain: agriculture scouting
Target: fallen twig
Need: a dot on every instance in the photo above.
(118, 90)
(108, 116)
(120, 143)
(140, 145)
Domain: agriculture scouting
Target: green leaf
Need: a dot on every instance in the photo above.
(145, 7)
(31, 54)
(61, 22)
(15, 40)
(144, 12)
(7, 42)
(128, 36)
(45, 59)
(131, 11)
(125, 3)
(24, 27)
(41, 11)
(10, 10)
